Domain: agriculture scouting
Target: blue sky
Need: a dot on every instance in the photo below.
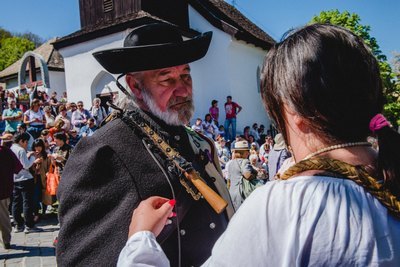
(50, 18)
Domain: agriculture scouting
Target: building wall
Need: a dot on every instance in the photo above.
(83, 72)
(57, 82)
(229, 68)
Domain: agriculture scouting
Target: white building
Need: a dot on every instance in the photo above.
(231, 66)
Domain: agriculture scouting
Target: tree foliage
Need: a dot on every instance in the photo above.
(14, 46)
(390, 83)
(12, 49)
(34, 38)
(4, 34)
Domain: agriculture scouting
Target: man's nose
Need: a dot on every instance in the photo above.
(182, 89)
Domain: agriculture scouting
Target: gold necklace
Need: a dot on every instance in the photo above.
(334, 147)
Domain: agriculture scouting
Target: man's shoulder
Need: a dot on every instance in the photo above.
(113, 133)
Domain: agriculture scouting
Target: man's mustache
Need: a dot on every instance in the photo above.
(181, 101)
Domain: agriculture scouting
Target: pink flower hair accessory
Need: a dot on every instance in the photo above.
(378, 122)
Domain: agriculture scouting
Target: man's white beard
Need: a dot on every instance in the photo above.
(171, 117)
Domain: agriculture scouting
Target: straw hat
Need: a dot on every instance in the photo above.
(241, 145)
(279, 142)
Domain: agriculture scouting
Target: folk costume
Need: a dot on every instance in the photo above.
(112, 171)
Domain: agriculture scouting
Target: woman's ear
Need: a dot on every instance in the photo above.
(133, 84)
(296, 121)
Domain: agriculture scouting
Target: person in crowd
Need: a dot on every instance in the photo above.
(240, 168)
(253, 143)
(265, 149)
(231, 111)
(257, 165)
(254, 132)
(61, 152)
(261, 134)
(63, 115)
(3, 106)
(98, 112)
(44, 135)
(50, 120)
(352, 190)
(71, 108)
(209, 127)
(6, 139)
(24, 186)
(35, 118)
(223, 152)
(221, 132)
(246, 133)
(214, 111)
(88, 129)
(198, 126)
(22, 128)
(54, 103)
(80, 116)
(38, 94)
(73, 138)
(237, 139)
(253, 148)
(58, 128)
(122, 170)
(277, 155)
(64, 98)
(11, 96)
(41, 198)
(12, 115)
(9, 166)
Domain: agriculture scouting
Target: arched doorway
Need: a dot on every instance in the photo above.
(29, 58)
(103, 87)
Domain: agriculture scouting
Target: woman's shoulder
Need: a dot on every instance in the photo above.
(303, 190)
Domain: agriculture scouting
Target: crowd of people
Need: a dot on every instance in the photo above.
(41, 131)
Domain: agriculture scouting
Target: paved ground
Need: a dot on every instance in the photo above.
(33, 249)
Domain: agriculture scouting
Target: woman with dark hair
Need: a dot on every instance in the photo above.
(246, 133)
(35, 118)
(61, 152)
(214, 111)
(339, 203)
(209, 128)
(40, 168)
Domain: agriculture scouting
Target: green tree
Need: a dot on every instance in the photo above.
(390, 83)
(4, 34)
(36, 39)
(12, 49)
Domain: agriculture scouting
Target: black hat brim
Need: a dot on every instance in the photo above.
(151, 57)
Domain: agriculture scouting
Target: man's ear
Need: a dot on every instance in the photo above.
(133, 84)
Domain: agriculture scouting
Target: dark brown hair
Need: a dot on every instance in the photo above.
(329, 77)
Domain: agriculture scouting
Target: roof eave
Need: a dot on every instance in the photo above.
(228, 28)
(76, 37)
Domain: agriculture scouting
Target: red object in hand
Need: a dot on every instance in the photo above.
(172, 202)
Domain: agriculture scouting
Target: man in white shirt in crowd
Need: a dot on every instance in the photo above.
(23, 186)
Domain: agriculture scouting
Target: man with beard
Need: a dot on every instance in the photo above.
(111, 172)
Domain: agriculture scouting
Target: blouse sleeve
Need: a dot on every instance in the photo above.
(142, 249)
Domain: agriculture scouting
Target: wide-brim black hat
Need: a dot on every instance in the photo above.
(153, 46)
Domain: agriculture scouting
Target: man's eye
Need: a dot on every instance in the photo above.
(186, 77)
